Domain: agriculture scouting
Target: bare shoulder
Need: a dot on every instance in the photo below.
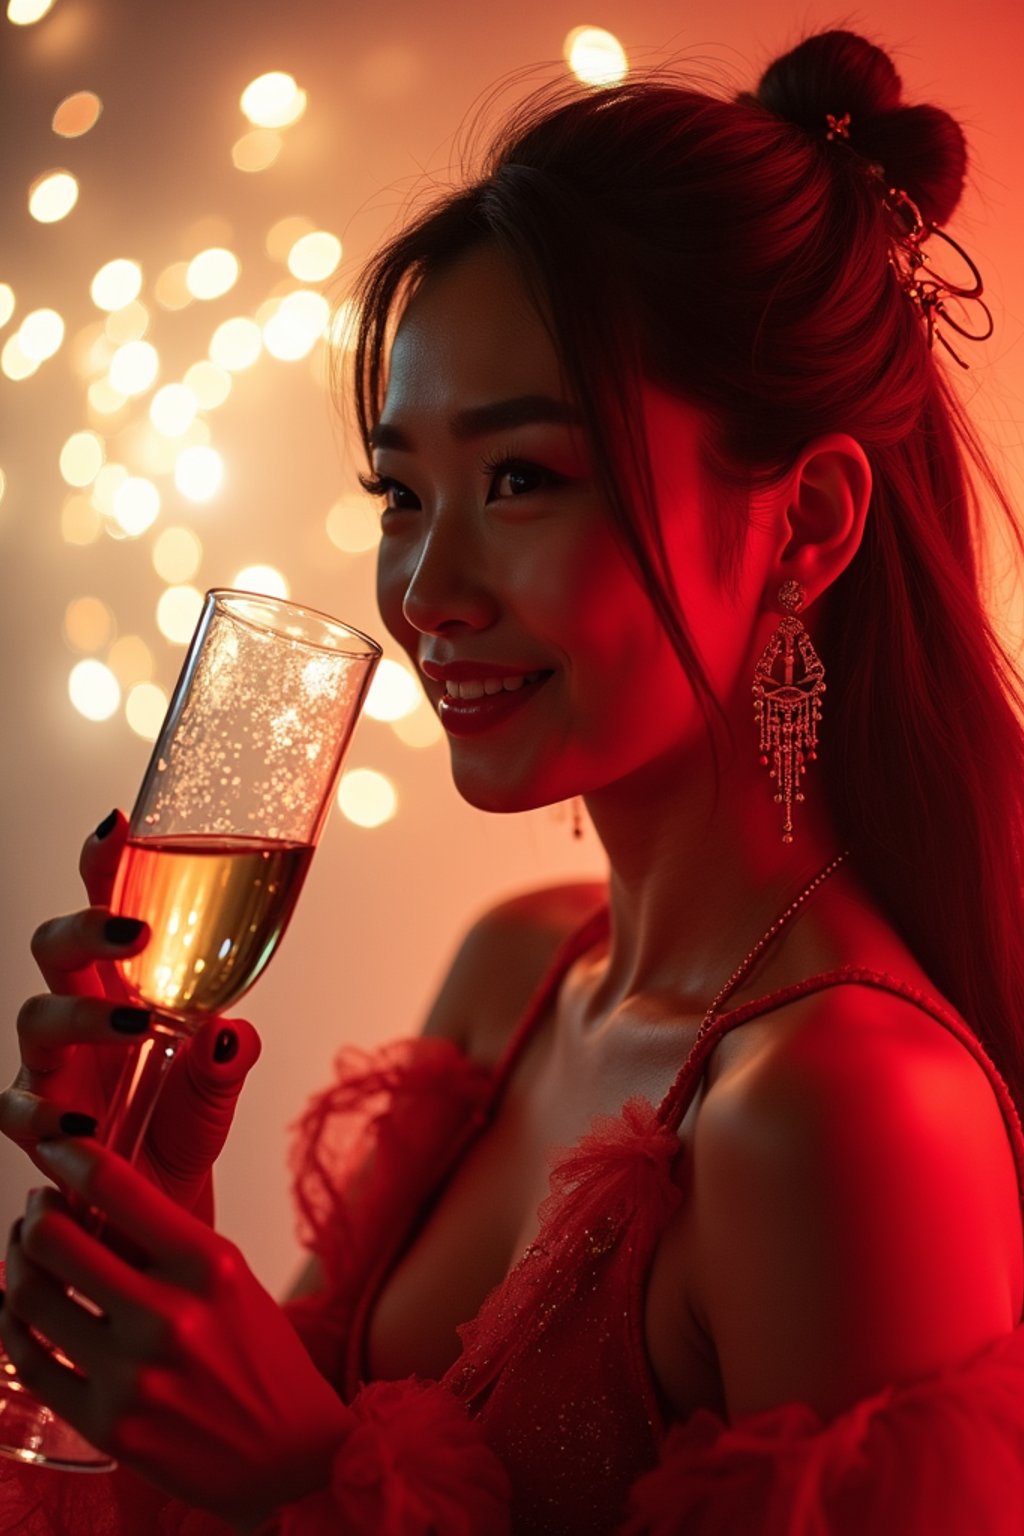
(856, 1206)
(501, 960)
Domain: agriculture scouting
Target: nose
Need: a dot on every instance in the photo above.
(449, 584)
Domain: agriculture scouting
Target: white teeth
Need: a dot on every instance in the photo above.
(478, 687)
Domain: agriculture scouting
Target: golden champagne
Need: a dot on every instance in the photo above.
(216, 907)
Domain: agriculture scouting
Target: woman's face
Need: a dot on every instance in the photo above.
(499, 572)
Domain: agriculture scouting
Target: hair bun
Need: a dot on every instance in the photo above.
(921, 148)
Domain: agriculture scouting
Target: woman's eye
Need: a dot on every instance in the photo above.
(391, 491)
(517, 477)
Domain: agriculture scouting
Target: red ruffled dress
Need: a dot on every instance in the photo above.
(548, 1423)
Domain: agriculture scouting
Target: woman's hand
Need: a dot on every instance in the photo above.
(192, 1375)
(75, 1041)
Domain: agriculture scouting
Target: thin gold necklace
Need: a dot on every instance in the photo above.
(745, 965)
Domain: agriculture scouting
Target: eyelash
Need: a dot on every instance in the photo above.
(493, 465)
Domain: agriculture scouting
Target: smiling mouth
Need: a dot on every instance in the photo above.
(483, 704)
(487, 687)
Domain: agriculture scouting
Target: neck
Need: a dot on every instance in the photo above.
(694, 886)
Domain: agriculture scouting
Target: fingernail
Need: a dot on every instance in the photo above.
(3, 1298)
(15, 1236)
(105, 827)
(226, 1045)
(74, 1124)
(122, 930)
(129, 1021)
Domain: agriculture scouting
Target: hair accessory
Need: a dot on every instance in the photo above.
(927, 290)
(788, 710)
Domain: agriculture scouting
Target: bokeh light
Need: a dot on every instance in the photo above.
(91, 350)
(77, 114)
(134, 367)
(177, 555)
(212, 273)
(81, 458)
(198, 472)
(367, 798)
(394, 692)
(131, 660)
(266, 579)
(172, 409)
(127, 324)
(136, 505)
(296, 325)
(314, 256)
(106, 486)
(209, 384)
(80, 522)
(284, 234)
(94, 690)
(236, 344)
(40, 334)
(6, 302)
(353, 524)
(145, 708)
(24, 12)
(88, 624)
(14, 364)
(177, 613)
(116, 283)
(256, 150)
(596, 57)
(52, 197)
(273, 100)
(171, 289)
(420, 729)
(104, 399)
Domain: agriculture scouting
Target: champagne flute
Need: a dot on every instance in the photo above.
(233, 801)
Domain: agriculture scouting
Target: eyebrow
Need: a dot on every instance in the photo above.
(478, 420)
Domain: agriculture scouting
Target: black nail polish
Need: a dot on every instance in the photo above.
(105, 827)
(129, 1021)
(226, 1045)
(3, 1298)
(74, 1124)
(122, 930)
(15, 1236)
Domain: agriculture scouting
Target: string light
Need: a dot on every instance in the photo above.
(116, 283)
(41, 334)
(273, 100)
(265, 579)
(596, 57)
(77, 114)
(367, 798)
(24, 12)
(394, 692)
(94, 690)
(52, 197)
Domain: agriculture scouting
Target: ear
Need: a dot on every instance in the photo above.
(823, 504)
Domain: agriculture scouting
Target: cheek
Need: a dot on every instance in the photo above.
(392, 582)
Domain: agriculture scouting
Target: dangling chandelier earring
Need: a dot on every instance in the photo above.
(788, 709)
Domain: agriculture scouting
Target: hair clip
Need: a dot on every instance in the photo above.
(838, 127)
(927, 289)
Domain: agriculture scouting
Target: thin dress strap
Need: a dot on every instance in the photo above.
(674, 1105)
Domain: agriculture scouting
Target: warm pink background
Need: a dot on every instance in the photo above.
(388, 87)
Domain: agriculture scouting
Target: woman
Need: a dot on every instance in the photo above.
(662, 433)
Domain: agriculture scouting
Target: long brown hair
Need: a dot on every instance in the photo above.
(729, 252)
